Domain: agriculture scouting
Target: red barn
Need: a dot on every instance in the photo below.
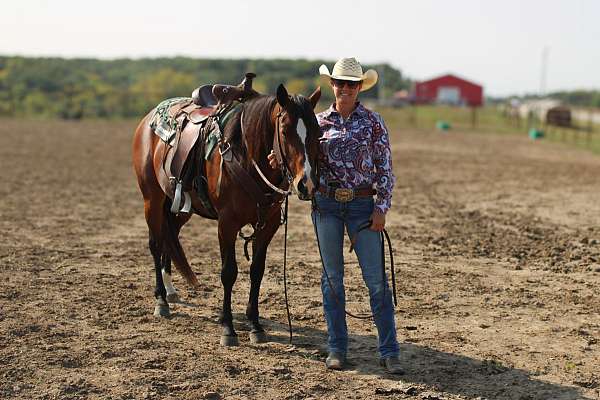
(448, 89)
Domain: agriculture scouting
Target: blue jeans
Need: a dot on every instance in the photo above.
(330, 217)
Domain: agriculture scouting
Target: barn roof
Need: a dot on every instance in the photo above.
(452, 76)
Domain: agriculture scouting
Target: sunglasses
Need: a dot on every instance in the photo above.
(340, 83)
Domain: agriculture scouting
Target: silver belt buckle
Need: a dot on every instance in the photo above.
(344, 195)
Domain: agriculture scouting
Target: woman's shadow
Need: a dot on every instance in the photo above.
(445, 372)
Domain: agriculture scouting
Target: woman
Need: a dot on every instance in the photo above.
(355, 164)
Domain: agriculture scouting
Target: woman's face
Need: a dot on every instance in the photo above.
(345, 92)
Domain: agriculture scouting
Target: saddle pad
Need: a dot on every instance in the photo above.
(211, 142)
(164, 124)
(216, 132)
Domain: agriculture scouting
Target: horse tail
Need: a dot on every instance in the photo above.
(171, 236)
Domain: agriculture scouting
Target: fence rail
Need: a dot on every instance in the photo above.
(585, 131)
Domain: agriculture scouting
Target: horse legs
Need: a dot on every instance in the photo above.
(172, 295)
(229, 271)
(257, 270)
(156, 210)
(154, 218)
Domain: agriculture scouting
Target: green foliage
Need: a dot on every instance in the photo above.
(90, 88)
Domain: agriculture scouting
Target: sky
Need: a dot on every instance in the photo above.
(498, 44)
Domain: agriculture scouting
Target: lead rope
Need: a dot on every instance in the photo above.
(287, 305)
(393, 273)
(337, 300)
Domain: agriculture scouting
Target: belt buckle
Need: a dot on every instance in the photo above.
(344, 195)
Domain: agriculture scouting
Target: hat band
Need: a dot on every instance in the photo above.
(347, 77)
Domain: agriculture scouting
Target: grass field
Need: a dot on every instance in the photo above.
(486, 120)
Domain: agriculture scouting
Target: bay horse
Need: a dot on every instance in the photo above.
(283, 123)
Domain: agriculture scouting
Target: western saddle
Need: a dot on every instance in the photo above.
(215, 95)
(180, 122)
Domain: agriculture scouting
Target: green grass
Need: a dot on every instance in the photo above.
(488, 120)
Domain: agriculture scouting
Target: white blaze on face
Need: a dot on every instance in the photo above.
(301, 129)
(168, 282)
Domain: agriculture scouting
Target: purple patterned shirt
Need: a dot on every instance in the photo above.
(356, 152)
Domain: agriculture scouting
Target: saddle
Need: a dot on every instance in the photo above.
(180, 123)
(215, 95)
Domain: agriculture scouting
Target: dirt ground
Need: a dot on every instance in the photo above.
(498, 266)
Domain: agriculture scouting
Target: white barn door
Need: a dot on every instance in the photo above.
(448, 95)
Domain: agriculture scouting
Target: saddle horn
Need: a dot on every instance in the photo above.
(246, 84)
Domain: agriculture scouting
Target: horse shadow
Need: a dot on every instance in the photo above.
(424, 366)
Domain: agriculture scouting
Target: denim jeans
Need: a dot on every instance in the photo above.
(330, 218)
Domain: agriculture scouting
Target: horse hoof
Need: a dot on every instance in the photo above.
(228, 341)
(258, 337)
(173, 298)
(162, 310)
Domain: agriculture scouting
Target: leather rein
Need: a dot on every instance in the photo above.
(279, 151)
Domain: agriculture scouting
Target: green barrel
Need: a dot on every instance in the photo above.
(442, 126)
(536, 133)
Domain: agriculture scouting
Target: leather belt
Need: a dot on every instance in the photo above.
(346, 195)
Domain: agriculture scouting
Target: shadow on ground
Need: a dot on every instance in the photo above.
(439, 370)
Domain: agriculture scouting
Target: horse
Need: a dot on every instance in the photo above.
(282, 123)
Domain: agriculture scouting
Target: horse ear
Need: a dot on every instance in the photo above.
(282, 96)
(314, 97)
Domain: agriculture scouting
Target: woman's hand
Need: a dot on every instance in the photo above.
(378, 219)
(273, 160)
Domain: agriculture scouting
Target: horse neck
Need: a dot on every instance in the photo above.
(259, 133)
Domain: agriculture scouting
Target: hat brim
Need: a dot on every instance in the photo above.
(368, 78)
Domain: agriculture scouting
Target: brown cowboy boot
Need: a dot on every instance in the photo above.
(392, 365)
(335, 361)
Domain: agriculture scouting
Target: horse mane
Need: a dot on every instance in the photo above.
(306, 111)
(257, 132)
(256, 136)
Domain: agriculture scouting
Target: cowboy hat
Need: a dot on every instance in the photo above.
(349, 69)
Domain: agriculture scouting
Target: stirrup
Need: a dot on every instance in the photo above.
(187, 200)
(176, 199)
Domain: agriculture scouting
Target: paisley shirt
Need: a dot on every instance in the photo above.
(356, 153)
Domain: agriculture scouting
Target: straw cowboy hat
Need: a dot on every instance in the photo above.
(349, 69)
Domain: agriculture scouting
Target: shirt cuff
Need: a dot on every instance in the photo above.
(381, 208)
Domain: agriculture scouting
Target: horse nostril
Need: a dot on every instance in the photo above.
(302, 186)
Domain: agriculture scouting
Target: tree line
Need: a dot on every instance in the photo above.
(121, 88)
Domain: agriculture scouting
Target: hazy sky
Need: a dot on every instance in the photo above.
(496, 43)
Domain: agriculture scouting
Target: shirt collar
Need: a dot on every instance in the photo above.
(360, 110)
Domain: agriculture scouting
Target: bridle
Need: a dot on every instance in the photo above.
(279, 149)
(280, 156)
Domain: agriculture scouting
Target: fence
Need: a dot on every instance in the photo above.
(584, 132)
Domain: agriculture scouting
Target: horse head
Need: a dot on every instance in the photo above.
(296, 140)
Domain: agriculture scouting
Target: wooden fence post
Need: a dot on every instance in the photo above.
(473, 117)
(413, 115)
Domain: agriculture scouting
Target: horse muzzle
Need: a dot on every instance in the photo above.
(305, 189)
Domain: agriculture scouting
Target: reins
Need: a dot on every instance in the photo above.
(279, 151)
(287, 305)
(382, 234)
(280, 155)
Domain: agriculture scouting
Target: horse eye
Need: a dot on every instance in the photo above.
(301, 129)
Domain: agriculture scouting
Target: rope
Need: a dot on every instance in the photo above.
(337, 300)
(269, 184)
(287, 305)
